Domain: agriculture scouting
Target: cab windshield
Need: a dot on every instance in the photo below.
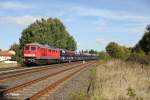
(27, 48)
(33, 48)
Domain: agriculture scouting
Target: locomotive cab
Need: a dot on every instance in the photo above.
(35, 53)
(30, 53)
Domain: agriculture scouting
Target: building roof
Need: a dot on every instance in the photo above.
(5, 53)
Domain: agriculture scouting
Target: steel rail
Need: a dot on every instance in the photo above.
(18, 87)
(55, 84)
(28, 72)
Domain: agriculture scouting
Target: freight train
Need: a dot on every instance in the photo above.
(38, 54)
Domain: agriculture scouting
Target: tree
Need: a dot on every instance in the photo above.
(16, 47)
(51, 32)
(144, 43)
(71, 44)
(92, 51)
(112, 49)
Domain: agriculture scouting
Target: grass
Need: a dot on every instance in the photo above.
(81, 95)
(118, 80)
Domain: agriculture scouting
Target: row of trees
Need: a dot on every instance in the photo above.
(140, 53)
(91, 51)
(51, 32)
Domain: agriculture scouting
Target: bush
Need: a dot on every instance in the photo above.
(117, 51)
(139, 58)
(104, 56)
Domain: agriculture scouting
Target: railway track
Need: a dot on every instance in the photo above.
(5, 75)
(33, 89)
(49, 88)
(16, 80)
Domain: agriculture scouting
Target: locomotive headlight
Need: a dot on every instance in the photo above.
(33, 54)
(26, 54)
(29, 55)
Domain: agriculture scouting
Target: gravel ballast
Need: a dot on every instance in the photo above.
(67, 90)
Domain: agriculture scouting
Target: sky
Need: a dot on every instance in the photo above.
(93, 23)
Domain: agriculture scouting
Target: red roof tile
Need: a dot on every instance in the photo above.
(5, 53)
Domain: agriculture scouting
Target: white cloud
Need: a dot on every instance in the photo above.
(23, 20)
(133, 29)
(13, 5)
(102, 25)
(102, 41)
(130, 22)
(109, 14)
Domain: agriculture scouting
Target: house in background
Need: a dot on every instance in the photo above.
(6, 55)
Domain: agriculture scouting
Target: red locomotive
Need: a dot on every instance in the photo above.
(39, 54)
(35, 53)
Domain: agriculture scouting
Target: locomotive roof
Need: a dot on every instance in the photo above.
(44, 46)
